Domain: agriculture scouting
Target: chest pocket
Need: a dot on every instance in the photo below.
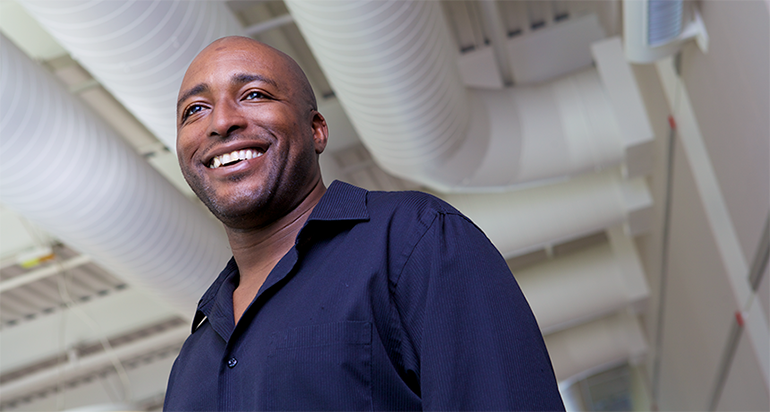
(321, 367)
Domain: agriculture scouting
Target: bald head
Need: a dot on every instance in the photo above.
(278, 61)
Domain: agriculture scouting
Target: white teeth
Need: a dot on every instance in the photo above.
(234, 156)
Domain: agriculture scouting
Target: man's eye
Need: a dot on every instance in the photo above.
(255, 95)
(192, 110)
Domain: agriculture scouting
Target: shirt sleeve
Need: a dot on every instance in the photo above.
(471, 340)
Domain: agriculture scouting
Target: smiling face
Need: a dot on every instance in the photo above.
(248, 132)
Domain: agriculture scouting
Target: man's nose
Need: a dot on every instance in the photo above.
(226, 118)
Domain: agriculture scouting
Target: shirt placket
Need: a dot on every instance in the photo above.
(230, 368)
(228, 375)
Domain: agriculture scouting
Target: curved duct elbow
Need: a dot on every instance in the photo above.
(137, 50)
(66, 170)
(393, 67)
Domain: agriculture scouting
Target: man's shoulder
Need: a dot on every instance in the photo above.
(380, 201)
(408, 201)
(398, 210)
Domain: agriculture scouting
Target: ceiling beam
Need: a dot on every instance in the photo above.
(43, 273)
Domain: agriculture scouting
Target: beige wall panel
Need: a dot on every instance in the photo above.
(729, 88)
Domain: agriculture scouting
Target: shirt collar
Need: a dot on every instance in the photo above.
(341, 202)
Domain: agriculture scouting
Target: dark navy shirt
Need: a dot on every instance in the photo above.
(387, 301)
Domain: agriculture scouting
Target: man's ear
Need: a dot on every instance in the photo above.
(320, 132)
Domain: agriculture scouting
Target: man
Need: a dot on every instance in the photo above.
(341, 299)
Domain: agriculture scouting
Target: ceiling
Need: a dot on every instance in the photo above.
(74, 328)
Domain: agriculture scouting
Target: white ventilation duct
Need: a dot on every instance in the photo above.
(595, 346)
(138, 50)
(394, 68)
(585, 285)
(392, 65)
(518, 222)
(66, 170)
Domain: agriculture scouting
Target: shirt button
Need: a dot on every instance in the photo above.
(232, 362)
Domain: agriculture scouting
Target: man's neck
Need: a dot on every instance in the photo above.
(257, 251)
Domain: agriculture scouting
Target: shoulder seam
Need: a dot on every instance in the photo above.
(436, 214)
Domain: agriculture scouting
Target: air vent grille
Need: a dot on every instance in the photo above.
(664, 21)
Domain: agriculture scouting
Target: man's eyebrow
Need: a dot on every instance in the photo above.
(197, 89)
(243, 78)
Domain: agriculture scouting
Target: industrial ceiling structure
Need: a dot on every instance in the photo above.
(525, 115)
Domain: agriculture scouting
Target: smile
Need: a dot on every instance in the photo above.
(234, 157)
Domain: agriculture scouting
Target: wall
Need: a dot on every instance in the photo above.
(729, 90)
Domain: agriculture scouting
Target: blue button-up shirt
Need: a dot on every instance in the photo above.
(387, 301)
